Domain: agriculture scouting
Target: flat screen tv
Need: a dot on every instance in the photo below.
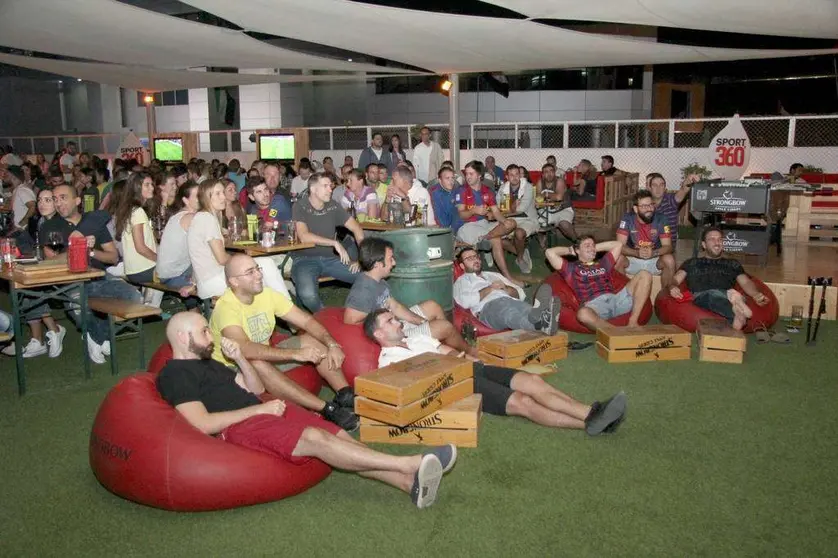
(276, 146)
(168, 149)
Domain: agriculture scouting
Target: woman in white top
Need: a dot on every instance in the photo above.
(173, 266)
(206, 245)
(133, 228)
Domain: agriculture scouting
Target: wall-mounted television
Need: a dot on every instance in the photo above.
(168, 149)
(276, 146)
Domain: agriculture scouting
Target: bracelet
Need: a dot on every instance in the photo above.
(333, 345)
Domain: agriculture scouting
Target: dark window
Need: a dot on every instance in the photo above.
(182, 97)
(168, 98)
(165, 98)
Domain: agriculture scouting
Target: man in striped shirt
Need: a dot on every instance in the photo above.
(668, 203)
(590, 280)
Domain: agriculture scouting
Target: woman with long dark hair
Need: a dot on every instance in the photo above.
(173, 265)
(397, 154)
(133, 228)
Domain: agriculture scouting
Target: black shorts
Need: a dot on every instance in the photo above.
(492, 382)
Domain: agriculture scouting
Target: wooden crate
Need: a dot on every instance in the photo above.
(718, 342)
(456, 423)
(717, 334)
(519, 347)
(413, 379)
(706, 354)
(643, 343)
(405, 414)
(798, 295)
(541, 358)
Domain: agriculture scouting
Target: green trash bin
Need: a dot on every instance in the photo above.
(424, 266)
(432, 281)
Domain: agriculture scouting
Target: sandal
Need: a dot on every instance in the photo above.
(762, 334)
(779, 337)
(579, 345)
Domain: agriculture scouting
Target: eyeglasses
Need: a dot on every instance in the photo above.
(249, 272)
(472, 257)
(646, 205)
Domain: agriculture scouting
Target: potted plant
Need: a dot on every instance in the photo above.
(694, 168)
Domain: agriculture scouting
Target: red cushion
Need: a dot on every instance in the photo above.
(599, 202)
(570, 304)
(461, 315)
(361, 353)
(686, 314)
(535, 176)
(142, 449)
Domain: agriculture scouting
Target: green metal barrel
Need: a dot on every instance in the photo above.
(424, 266)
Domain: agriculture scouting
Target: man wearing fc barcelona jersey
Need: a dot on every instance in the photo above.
(646, 239)
(591, 281)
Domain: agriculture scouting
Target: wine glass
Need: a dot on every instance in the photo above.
(55, 241)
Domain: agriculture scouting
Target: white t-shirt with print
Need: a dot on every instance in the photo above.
(416, 345)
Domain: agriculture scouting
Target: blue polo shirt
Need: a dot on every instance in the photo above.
(445, 207)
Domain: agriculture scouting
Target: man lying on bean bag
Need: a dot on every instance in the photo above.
(711, 279)
(216, 399)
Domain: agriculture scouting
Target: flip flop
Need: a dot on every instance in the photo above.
(579, 345)
(779, 337)
(762, 335)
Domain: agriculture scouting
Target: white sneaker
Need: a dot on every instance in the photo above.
(8, 350)
(34, 348)
(55, 340)
(525, 264)
(94, 351)
(106, 347)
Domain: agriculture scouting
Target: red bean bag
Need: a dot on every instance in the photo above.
(686, 314)
(361, 353)
(142, 449)
(461, 315)
(570, 304)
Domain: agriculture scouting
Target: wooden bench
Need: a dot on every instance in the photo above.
(123, 315)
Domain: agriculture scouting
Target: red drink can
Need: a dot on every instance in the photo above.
(77, 255)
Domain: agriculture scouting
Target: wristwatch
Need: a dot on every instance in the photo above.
(333, 345)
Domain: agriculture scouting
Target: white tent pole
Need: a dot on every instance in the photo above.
(454, 120)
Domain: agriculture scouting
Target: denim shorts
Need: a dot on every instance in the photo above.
(611, 305)
(636, 265)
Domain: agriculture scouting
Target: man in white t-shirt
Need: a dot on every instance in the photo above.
(300, 182)
(522, 210)
(505, 391)
(403, 189)
(68, 161)
(427, 156)
(10, 158)
(23, 198)
(498, 303)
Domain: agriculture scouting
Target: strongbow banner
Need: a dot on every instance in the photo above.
(730, 151)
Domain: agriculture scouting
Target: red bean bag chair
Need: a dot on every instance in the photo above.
(361, 353)
(686, 314)
(570, 304)
(461, 315)
(143, 450)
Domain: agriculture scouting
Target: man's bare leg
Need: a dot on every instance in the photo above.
(519, 241)
(549, 397)
(36, 328)
(333, 376)
(279, 385)
(522, 405)
(393, 478)
(590, 319)
(640, 287)
(500, 261)
(566, 228)
(666, 264)
(432, 310)
(445, 332)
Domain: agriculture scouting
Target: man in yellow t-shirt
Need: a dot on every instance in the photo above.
(247, 312)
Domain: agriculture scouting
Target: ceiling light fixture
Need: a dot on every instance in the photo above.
(445, 85)
(148, 99)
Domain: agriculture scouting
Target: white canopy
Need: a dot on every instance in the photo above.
(801, 18)
(110, 31)
(143, 78)
(456, 43)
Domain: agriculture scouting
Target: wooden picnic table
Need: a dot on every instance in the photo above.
(31, 286)
(255, 249)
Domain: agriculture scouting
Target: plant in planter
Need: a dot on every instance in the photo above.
(811, 169)
(694, 168)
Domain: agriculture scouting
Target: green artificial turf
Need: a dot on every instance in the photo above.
(713, 460)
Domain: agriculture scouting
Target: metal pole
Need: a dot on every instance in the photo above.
(454, 119)
(152, 127)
